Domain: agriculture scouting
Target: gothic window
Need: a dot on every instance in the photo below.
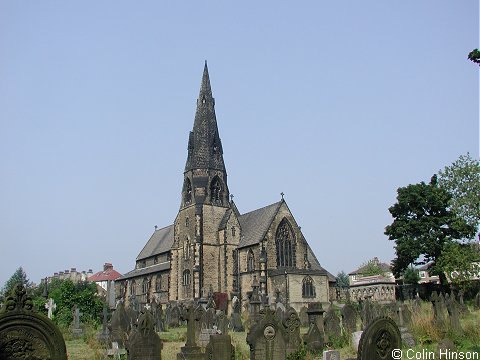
(187, 192)
(250, 261)
(308, 289)
(285, 245)
(186, 249)
(216, 191)
(233, 230)
(186, 277)
(145, 285)
(158, 283)
(133, 288)
(187, 221)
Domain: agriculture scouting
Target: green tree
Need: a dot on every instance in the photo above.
(371, 267)
(411, 275)
(19, 276)
(460, 262)
(474, 56)
(423, 223)
(342, 280)
(462, 181)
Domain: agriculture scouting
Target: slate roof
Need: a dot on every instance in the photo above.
(255, 224)
(146, 270)
(105, 275)
(161, 241)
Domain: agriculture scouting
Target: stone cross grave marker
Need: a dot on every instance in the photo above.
(50, 306)
(76, 329)
(378, 340)
(191, 351)
(26, 334)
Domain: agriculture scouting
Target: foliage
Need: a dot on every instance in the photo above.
(461, 260)
(423, 223)
(371, 268)
(411, 275)
(462, 181)
(474, 56)
(342, 280)
(19, 276)
(67, 294)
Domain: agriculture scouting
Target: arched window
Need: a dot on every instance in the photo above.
(187, 192)
(186, 249)
(145, 285)
(308, 289)
(285, 244)
(186, 277)
(133, 288)
(158, 283)
(250, 261)
(187, 222)
(216, 191)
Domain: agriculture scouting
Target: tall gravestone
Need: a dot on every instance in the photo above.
(314, 339)
(120, 325)
(220, 348)
(25, 334)
(236, 323)
(144, 343)
(349, 319)
(291, 322)
(379, 339)
(331, 325)
(191, 351)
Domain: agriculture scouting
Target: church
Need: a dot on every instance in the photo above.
(212, 247)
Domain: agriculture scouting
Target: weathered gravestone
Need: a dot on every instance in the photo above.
(303, 316)
(349, 319)
(331, 355)
(367, 313)
(191, 351)
(25, 334)
(144, 343)
(221, 322)
(404, 315)
(438, 310)
(120, 325)
(132, 310)
(331, 325)
(378, 340)
(174, 320)
(314, 339)
(104, 336)
(236, 321)
(157, 313)
(453, 309)
(476, 302)
(462, 306)
(75, 326)
(220, 348)
(291, 322)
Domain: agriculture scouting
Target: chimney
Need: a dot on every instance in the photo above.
(107, 266)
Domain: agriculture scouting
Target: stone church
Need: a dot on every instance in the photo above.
(211, 246)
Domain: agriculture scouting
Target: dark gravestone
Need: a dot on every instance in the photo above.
(221, 322)
(25, 334)
(221, 301)
(349, 319)
(174, 320)
(315, 314)
(104, 336)
(378, 340)
(120, 325)
(144, 343)
(315, 337)
(267, 337)
(291, 322)
(236, 321)
(462, 306)
(453, 309)
(303, 316)
(476, 302)
(331, 325)
(367, 313)
(438, 310)
(220, 348)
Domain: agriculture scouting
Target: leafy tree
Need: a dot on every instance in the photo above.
(461, 261)
(474, 56)
(411, 275)
(462, 181)
(423, 223)
(19, 276)
(342, 280)
(371, 267)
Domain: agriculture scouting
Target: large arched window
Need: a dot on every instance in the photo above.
(250, 261)
(133, 288)
(145, 285)
(186, 249)
(187, 192)
(308, 289)
(285, 244)
(216, 191)
(186, 277)
(158, 283)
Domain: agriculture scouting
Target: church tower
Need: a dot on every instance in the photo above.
(205, 235)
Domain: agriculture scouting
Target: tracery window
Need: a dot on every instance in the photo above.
(250, 261)
(158, 283)
(186, 249)
(187, 192)
(285, 245)
(308, 289)
(145, 285)
(216, 191)
(133, 288)
(186, 277)
(233, 230)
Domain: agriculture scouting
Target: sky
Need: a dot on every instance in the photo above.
(335, 104)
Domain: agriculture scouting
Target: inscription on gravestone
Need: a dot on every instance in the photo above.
(378, 340)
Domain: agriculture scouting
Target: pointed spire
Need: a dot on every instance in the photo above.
(205, 88)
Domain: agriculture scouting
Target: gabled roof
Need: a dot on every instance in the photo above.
(383, 266)
(145, 271)
(255, 224)
(105, 275)
(160, 241)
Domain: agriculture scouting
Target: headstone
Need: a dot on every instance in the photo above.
(291, 322)
(349, 319)
(220, 348)
(315, 314)
(453, 309)
(315, 337)
(204, 336)
(438, 312)
(25, 334)
(367, 313)
(303, 316)
(104, 335)
(144, 343)
(120, 325)
(133, 311)
(50, 306)
(356, 336)
(462, 306)
(111, 294)
(236, 321)
(191, 351)
(76, 329)
(476, 302)
(174, 320)
(331, 355)
(221, 322)
(379, 339)
(255, 302)
(157, 313)
(331, 325)
(417, 303)
(407, 337)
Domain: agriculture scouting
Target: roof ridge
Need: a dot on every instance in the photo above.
(264, 207)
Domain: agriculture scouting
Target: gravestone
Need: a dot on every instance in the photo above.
(444, 347)
(220, 348)
(50, 306)
(75, 326)
(476, 302)
(331, 325)
(120, 325)
(404, 315)
(438, 311)
(267, 337)
(303, 316)
(236, 321)
(157, 313)
(462, 306)
(314, 339)
(378, 340)
(356, 336)
(144, 343)
(331, 355)
(417, 303)
(25, 334)
(255, 303)
(291, 322)
(174, 316)
(133, 311)
(315, 314)
(367, 313)
(191, 351)
(104, 335)
(453, 309)
(221, 322)
(349, 319)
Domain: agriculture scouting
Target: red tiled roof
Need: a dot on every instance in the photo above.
(109, 274)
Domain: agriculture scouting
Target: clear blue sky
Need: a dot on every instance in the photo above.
(337, 104)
